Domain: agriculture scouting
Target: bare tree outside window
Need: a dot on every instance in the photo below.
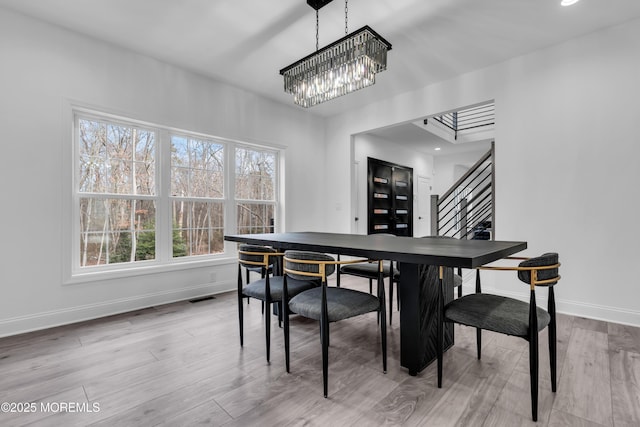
(197, 190)
(255, 190)
(116, 182)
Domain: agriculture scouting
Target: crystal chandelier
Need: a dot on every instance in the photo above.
(342, 67)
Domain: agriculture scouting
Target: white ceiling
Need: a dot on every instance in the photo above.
(415, 137)
(247, 42)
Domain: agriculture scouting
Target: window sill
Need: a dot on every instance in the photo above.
(104, 275)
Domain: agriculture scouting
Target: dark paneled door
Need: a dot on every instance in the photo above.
(390, 198)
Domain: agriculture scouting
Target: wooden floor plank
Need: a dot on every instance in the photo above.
(515, 397)
(198, 393)
(624, 337)
(562, 419)
(584, 387)
(625, 387)
(493, 375)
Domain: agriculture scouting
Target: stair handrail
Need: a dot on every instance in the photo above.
(468, 173)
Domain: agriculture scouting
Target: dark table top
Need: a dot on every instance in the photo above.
(424, 250)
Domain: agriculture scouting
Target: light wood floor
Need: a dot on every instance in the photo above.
(181, 364)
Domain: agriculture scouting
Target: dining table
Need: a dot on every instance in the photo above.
(424, 264)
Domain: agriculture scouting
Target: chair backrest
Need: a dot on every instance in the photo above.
(547, 270)
(254, 255)
(293, 262)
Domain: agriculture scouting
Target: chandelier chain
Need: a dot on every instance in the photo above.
(317, 30)
(346, 14)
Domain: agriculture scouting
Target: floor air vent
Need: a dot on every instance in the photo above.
(193, 301)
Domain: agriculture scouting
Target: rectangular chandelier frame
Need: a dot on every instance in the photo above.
(342, 67)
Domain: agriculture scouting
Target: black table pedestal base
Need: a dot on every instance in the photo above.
(418, 314)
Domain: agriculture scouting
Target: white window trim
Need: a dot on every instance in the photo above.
(73, 274)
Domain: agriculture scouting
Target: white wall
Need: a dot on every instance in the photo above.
(566, 160)
(370, 146)
(44, 70)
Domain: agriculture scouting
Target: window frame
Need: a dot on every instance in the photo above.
(74, 273)
(276, 196)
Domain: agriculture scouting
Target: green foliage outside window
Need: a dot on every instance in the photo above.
(146, 245)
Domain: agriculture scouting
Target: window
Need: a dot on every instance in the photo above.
(131, 208)
(197, 193)
(117, 193)
(255, 183)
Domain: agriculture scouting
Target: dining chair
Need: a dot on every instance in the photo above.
(267, 289)
(327, 304)
(509, 316)
(253, 269)
(369, 270)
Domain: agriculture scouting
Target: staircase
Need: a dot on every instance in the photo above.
(465, 211)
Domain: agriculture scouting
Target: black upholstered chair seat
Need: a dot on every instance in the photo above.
(494, 313)
(341, 303)
(256, 289)
(367, 270)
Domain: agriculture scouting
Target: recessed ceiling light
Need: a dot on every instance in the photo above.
(437, 148)
(568, 2)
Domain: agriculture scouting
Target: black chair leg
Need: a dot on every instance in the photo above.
(383, 332)
(533, 371)
(478, 330)
(248, 274)
(440, 329)
(240, 320)
(383, 322)
(390, 300)
(286, 336)
(267, 316)
(324, 334)
(267, 333)
(240, 302)
(284, 305)
(552, 339)
(553, 356)
(370, 286)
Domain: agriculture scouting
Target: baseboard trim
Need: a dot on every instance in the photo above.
(54, 318)
(599, 312)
